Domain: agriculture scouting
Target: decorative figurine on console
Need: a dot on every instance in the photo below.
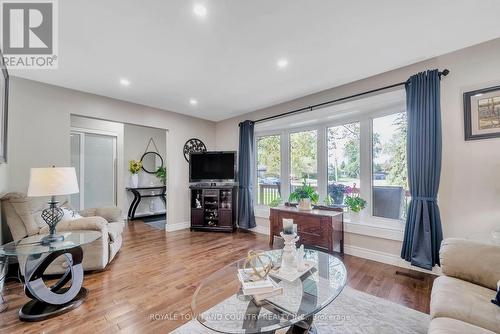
(289, 257)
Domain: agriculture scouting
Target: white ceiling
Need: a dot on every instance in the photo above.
(227, 60)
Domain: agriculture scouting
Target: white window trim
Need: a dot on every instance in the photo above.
(369, 224)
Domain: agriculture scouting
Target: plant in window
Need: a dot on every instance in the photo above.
(336, 191)
(353, 202)
(304, 195)
(275, 202)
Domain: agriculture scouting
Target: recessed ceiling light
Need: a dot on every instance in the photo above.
(193, 102)
(124, 82)
(200, 10)
(282, 63)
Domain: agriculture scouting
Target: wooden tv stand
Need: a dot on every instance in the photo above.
(318, 228)
(213, 208)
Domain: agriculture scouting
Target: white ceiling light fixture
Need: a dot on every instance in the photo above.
(124, 82)
(282, 63)
(193, 102)
(200, 10)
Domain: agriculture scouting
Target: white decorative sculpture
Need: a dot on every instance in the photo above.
(289, 257)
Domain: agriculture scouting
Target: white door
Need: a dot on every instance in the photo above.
(94, 157)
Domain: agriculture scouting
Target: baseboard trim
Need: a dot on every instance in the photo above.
(386, 258)
(177, 226)
(261, 229)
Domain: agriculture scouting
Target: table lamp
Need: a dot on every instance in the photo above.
(52, 181)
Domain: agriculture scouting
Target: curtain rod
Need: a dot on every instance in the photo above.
(444, 73)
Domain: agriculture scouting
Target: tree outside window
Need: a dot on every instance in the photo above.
(390, 173)
(303, 158)
(268, 169)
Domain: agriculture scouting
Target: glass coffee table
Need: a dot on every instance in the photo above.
(57, 299)
(219, 304)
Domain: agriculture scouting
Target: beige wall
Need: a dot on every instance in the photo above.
(469, 195)
(40, 126)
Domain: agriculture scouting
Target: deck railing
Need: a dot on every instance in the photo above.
(268, 193)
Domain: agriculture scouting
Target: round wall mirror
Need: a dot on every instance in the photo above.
(151, 161)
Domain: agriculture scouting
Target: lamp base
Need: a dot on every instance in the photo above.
(51, 238)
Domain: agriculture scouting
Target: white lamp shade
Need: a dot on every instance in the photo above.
(52, 181)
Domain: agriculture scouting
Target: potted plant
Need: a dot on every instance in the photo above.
(275, 202)
(336, 191)
(354, 204)
(161, 173)
(134, 166)
(304, 195)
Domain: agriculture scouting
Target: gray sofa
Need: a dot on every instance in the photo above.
(461, 298)
(17, 212)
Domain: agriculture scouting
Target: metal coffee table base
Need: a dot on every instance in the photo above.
(55, 300)
(36, 310)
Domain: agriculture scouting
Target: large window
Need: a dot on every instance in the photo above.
(268, 169)
(390, 176)
(352, 149)
(343, 160)
(303, 158)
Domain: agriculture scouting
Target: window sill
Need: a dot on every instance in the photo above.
(378, 228)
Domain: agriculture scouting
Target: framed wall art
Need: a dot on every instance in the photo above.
(482, 113)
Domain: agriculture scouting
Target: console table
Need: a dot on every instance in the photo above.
(318, 228)
(161, 192)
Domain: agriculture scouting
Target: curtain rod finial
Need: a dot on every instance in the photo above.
(445, 72)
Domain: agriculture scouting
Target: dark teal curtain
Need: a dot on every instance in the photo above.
(246, 159)
(423, 233)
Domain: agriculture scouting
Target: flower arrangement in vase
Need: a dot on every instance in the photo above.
(304, 195)
(134, 166)
(336, 192)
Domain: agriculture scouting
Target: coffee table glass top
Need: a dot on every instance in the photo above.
(32, 245)
(219, 304)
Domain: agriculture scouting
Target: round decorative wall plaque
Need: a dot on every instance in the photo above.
(193, 145)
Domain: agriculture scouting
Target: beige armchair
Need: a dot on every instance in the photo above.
(461, 298)
(16, 210)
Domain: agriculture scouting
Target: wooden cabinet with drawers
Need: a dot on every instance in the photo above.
(318, 228)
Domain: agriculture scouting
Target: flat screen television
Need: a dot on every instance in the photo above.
(212, 167)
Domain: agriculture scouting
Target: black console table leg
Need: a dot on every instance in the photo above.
(135, 203)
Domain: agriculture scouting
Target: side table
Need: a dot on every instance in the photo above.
(57, 299)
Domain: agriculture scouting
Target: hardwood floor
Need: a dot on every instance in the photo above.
(156, 273)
